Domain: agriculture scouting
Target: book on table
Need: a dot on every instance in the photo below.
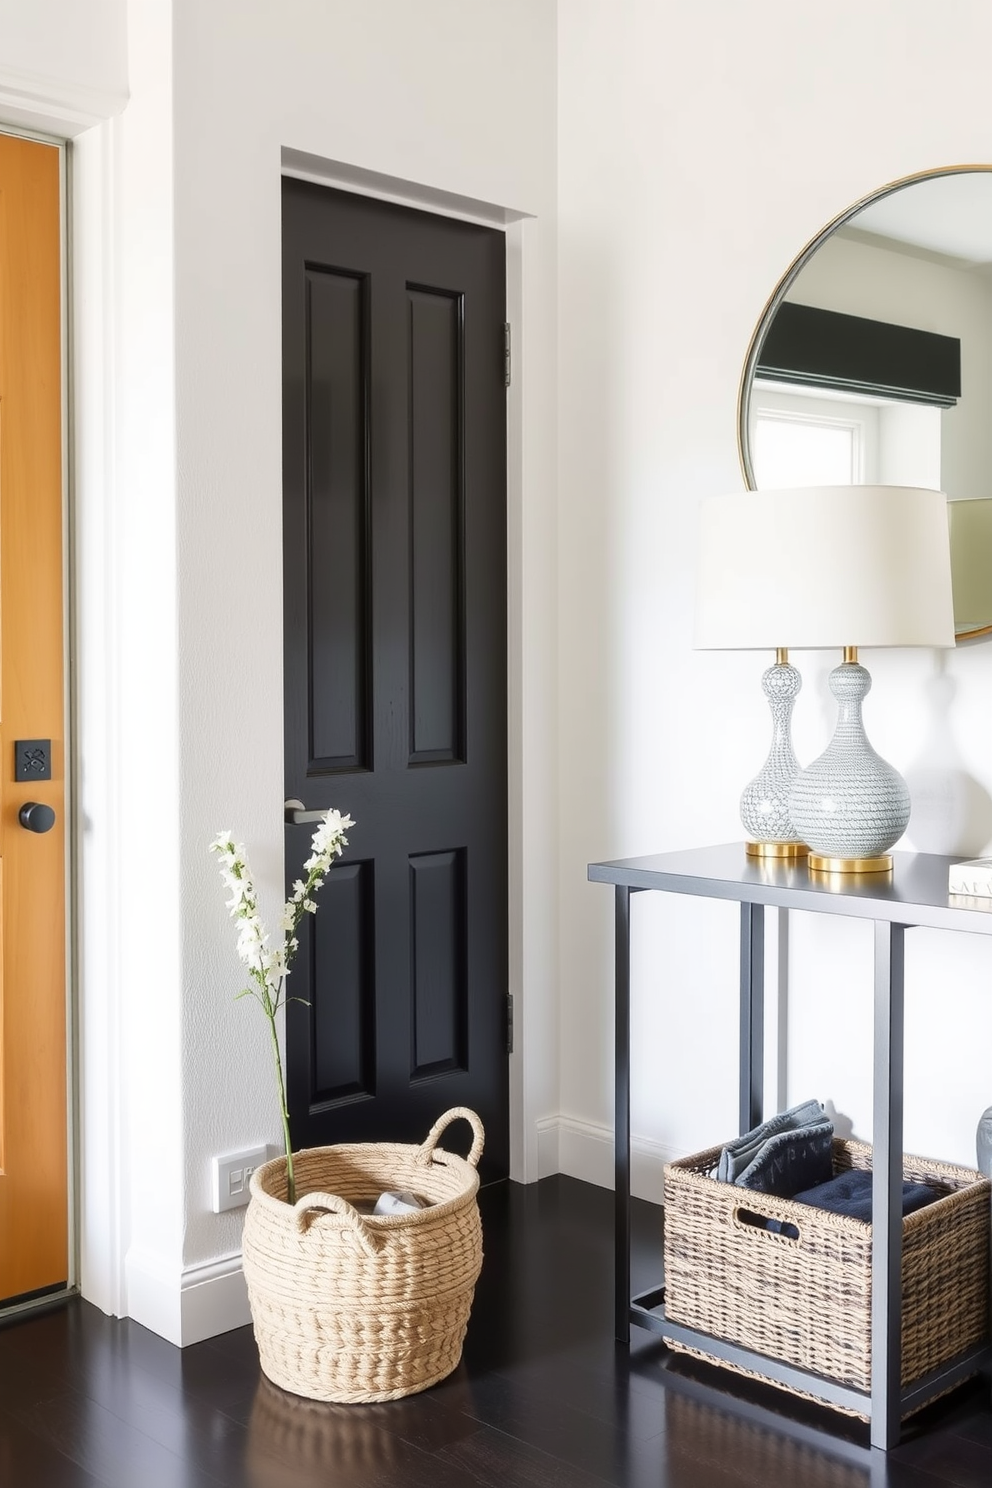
(973, 878)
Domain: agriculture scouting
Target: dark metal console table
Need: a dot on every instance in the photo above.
(915, 893)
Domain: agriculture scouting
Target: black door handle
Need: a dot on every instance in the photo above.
(36, 816)
(296, 813)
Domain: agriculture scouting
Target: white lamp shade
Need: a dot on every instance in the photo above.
(824, 566)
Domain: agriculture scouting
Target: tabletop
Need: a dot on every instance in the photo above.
(914, 892)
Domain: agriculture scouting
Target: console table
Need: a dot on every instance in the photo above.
(914, 893)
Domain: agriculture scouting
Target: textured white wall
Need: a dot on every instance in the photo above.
(456, 97)
(63, 63)
(700, 148)
(83, 41)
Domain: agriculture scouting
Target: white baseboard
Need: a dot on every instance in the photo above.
(584, 1149)
(214, 1299)
(202, 1301)
(548, 1147)
(198, 1303)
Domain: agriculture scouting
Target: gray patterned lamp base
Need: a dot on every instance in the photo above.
(765, 802)
(850, 805)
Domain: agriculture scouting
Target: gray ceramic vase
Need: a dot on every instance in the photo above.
(765, 801)
(849, 803)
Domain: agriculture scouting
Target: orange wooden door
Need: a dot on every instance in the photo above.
(33, 1123)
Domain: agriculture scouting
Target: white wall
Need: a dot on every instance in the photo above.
(418, 94)
(700, 148)
(63, 63)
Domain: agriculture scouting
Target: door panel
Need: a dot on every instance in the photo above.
(33, 1130)
(342, 1027)
(439, 972)
(337, 514)
(395, 663)
(437, 619)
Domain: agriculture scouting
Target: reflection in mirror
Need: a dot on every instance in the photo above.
(971, 566)
(872, 363)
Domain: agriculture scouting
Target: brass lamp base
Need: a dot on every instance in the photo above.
(776, 849)
(882, 863)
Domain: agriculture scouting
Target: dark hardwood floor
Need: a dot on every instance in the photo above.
(542, 1399)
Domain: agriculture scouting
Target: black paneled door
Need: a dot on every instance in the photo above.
(394, 438)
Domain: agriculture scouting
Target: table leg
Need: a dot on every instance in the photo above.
(886, 1204)
(621, 1191)
(752, 1040)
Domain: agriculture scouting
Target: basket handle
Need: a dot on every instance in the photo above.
(750, 1220)
(303, 1213)
(425, 1153)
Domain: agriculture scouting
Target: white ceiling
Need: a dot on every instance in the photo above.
(945, 214)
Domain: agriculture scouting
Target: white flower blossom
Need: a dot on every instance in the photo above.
(269, 966)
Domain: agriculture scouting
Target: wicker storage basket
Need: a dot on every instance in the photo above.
(356, 1307)
(807, 1301)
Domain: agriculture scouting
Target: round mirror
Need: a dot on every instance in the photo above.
(872, 363)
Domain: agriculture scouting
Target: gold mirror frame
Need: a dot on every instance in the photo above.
(785, 284)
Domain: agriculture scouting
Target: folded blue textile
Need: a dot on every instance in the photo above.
(850, 1193)
(737, 1155)
(792, 1161)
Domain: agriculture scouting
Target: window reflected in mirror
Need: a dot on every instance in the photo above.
(802, 440)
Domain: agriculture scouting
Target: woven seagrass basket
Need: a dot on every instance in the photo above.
(360, 1307)
(807, 1301)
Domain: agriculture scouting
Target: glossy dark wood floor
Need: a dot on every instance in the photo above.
(542, 1399)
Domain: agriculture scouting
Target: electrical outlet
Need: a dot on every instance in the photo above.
(232, 1175)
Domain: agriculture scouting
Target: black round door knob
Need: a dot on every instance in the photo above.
(36, 816)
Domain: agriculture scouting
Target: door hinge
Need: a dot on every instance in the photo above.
(509, 1024)
(506, 354)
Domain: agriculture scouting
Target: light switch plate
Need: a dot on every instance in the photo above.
(231, 1176)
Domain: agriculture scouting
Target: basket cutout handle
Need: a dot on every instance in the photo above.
(304, 1214)
(426, 1154)
(750, 1221)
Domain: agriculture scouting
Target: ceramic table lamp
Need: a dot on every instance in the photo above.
(816, 568)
